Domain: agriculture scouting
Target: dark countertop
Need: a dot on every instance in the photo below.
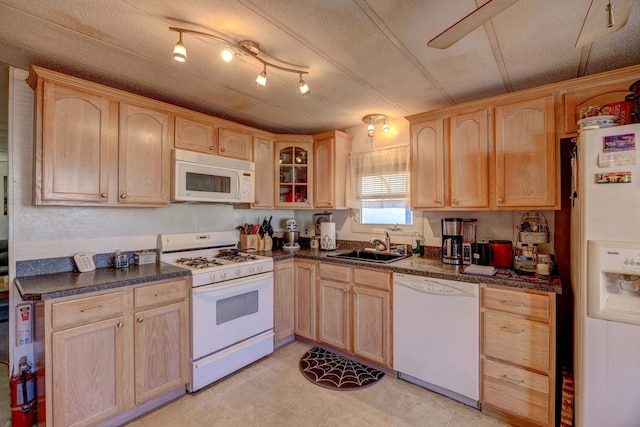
(57, 285)
(430, 267)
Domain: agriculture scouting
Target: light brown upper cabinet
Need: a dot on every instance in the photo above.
(263, 157)
(526, 155)
(427, 164)
(144, 156)
(236, 144)
(451, 170)
(196, 133)
(294, 174)
(469, 160)
(331, 151)
(94, 147)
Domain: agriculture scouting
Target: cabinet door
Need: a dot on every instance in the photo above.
(263, 157)
(284, 303)
(196, 135)
(90, 369)
(372, 324)
(75, 143)
(236, 144)
(161, 350)
(305, 300)
(333, 314)
(324, 173)
(427, 165)
(294, 178)
(144, 156)
(526, 167)
(469, 160)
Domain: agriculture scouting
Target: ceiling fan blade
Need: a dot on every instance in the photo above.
(595, 27)
(469, 23)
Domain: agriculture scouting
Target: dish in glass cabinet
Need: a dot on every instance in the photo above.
(596, 122)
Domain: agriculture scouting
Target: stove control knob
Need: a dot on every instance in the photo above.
(260, 268)
(252, 269)
(237, 271)
(213, 277)
(223, 274)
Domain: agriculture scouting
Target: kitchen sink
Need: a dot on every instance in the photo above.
(370, 256)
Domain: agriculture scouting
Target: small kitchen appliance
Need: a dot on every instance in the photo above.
(502, 253)
(291, 236)
(469, 228)
(452, 241)
(481, 253)
(231, 302)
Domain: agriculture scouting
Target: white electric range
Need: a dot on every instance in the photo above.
(231, 302)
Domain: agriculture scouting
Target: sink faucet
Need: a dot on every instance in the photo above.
(386, 243)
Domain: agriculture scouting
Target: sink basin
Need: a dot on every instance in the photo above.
(370, 256)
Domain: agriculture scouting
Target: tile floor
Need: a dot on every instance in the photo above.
(274, 393)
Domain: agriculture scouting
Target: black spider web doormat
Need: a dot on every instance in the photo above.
(329, 370)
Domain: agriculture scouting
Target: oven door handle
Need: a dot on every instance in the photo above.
(223, 286)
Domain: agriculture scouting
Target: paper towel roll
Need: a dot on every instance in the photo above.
(328, 236)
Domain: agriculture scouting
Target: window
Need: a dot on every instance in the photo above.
(378, 189)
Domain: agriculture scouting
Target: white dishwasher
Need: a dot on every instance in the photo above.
(436, 335)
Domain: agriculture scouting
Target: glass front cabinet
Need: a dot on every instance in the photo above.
(295, 174)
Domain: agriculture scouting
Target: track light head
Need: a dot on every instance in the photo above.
(385, 127)
(261, 80)
(611, 21)
(179, 51)
(304, 87)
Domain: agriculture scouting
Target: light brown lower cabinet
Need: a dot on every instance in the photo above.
(284, 301)
(305, 299)
(518, 355)
(107, 352)
(354, 311)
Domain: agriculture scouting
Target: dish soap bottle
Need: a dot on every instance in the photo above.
(417, 245)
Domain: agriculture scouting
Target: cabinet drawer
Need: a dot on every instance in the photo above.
(517, 302)
(516, 391)
(372, 278)
(337, 273)
(520, 341)
(87, 310)
(160, 294)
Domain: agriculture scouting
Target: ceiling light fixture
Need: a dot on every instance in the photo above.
(372, 119)
(610, 18)
(179, 51)
(248, 48)
(304, 87)
(261, 80)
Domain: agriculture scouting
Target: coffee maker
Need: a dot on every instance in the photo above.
(452, 241)
(469, 228)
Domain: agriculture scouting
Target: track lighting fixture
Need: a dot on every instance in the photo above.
(304, 87)
(372, 119)
(261, 80)
(179, 51)
(247, 48)
(610, 18)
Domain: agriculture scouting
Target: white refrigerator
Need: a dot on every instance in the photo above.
(605, 274)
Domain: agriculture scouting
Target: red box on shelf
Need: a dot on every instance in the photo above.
(621, 109)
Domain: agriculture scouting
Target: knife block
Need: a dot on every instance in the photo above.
(253, 242)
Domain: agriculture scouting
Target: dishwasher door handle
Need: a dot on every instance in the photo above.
(433, 287)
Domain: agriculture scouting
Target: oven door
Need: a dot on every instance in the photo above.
(227, 313)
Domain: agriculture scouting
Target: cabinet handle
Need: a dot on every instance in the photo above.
(222, 149)
(454, 201)
(344, 290)
(512, 330)
(161, 294)
(513, 303)
(210, 148)
(86, 310)
(309, 202)
(512, 380)
(123, 196)
(120, 325)
(103, 195)
(438, 201)
(140, 319)
(500, 200)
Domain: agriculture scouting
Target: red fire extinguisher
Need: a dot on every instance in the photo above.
(22, 389)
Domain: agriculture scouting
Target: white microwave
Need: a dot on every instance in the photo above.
(200, 177)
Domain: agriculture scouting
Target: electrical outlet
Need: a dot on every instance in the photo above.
(484, 238)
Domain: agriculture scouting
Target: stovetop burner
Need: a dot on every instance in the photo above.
(234, 255)
(198, 262)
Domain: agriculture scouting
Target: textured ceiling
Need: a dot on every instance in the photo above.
(363, 56)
